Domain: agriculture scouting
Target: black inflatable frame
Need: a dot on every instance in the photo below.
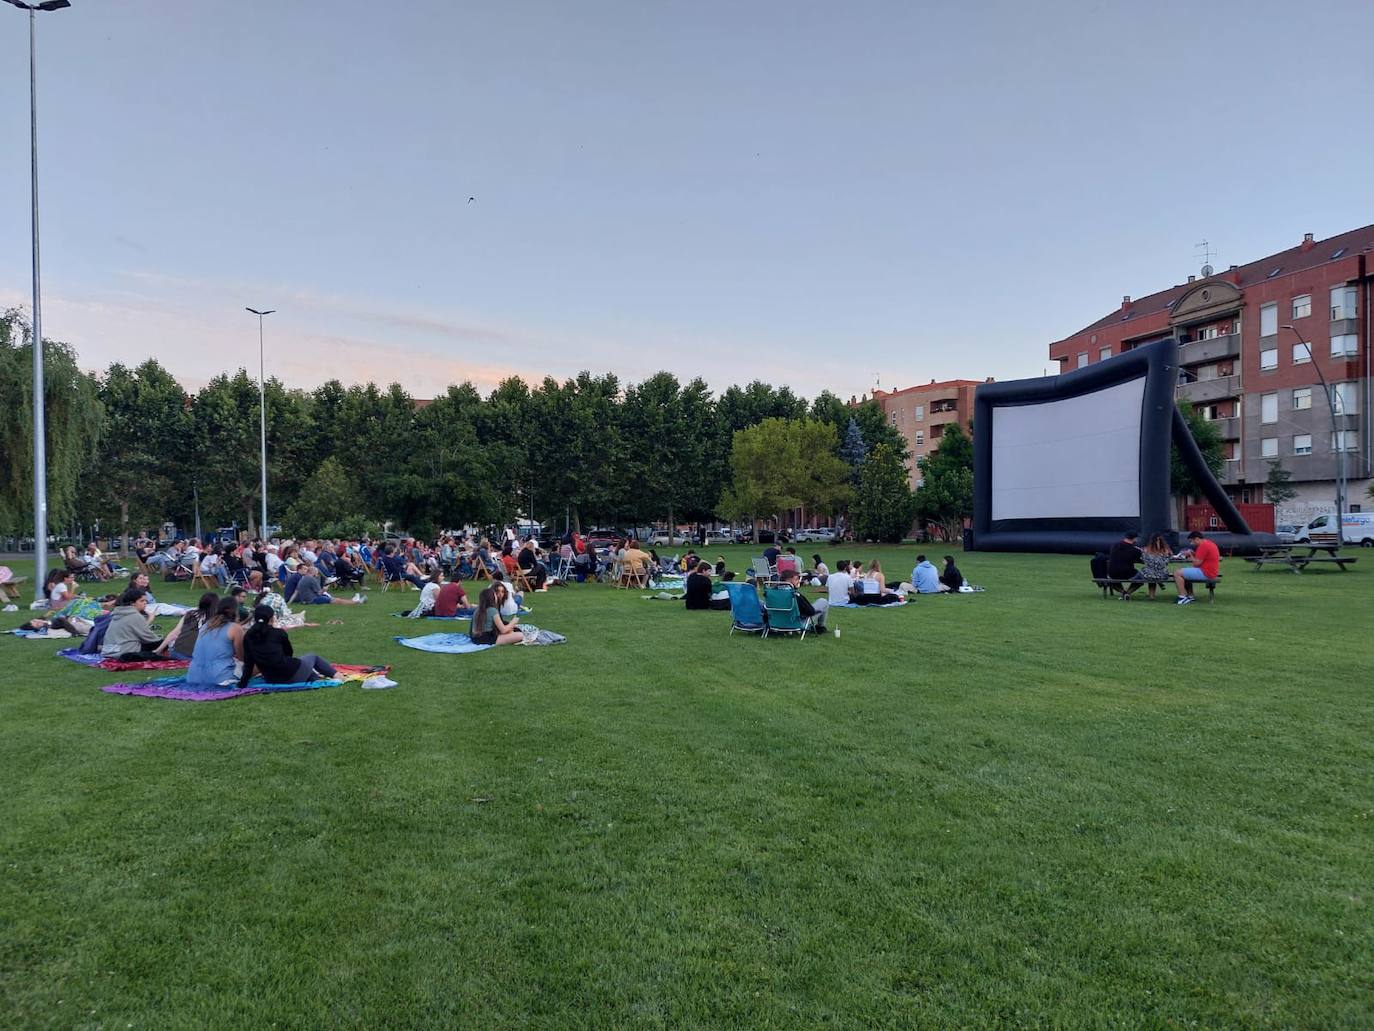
(1160, 424)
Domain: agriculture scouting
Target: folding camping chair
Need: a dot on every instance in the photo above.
(746, 614)
(203, 579)
(763, 572)
(784, 615)
(633, 574)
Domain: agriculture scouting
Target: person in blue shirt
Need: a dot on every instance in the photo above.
(395, 568)
(926, 577)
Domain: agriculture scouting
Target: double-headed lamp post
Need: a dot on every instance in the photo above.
(262, 415)
(1337, 437)
(40, 450)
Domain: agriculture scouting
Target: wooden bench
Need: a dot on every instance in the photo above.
(10, 588)
(1111, 586)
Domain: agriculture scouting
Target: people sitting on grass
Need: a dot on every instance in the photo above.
(450, 599)
(820, 572)
(950, 575)
(180, 642)
(130, 636)
(267, 650)
(700, 589)
(1155, 570)
(926, 577)
(286, 619)
(60, 588)
(1121, 561)
(511, 601)
(838, 583)
(489, 626)
(1206, 566)
(219, 649)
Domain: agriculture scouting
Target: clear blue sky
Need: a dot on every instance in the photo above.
(810, 193)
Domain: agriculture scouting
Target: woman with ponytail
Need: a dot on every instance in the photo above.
(267, 650)
(218, 648)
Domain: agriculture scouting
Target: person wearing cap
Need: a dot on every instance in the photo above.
(1206, 566)
(1121, 561)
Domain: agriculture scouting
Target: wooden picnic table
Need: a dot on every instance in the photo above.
(1287, 555)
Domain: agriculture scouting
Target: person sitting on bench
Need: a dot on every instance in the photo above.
(1121, 562)
(1206, 567)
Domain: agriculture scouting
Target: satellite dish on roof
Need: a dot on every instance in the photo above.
(1207, 270)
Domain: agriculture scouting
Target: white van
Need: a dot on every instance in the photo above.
(1356, 528)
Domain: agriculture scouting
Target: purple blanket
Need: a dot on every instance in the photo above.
(178, 690)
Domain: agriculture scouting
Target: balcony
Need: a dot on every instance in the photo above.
(1228, 428)
(1209, 389)
(1197, 352)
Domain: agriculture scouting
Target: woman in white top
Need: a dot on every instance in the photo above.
(429, 595)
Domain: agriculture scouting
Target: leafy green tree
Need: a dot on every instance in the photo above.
(1208, 437)
(945, 496)
(143, 450)
(767, 472)
(884, 506)
(328, 498)
(1278, 488)
(224, 433)
(73, 416)
(824, 487)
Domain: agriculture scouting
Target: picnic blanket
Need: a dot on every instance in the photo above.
(445, 644)
(178, 690)
(50, 634)
(889, 605)
(95, 660)
(466, 613)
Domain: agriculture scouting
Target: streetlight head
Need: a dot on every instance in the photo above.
(19, 4)
(53, 5)
(256, 312)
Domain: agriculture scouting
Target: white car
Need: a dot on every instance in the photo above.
(726, 536)
(824, 534)
(664, 539)
(1356, 528)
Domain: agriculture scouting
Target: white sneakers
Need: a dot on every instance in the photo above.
(358, 599)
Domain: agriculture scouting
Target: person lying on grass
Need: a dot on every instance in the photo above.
(488, 626)
(219, 647)
(267, 650)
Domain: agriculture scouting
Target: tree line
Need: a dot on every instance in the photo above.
(131, 448)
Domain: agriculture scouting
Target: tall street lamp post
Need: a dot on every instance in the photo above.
(262, 415)
(1337, 438)
(40, 448)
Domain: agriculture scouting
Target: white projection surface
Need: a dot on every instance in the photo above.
(1070, 459)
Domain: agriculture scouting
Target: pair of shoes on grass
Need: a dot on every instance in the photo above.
(1187, 599)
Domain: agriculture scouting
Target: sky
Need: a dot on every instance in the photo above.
(828, 196)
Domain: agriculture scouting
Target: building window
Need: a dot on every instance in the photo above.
(1209, 412)
(1345, 345)
(947, 404)
(1302, 306)
(892, 418)
(920, 438)
(1346, 398)
(920, 411)
(1269, 320)
(1269, 447)
(1104, 354)
(1269, 408)
(1302, 399)
(1302, 354)
(1082, 358)
(1342, 302)
(1302, 443)
(1347, 441)
(1269, 358)
(1231, 449)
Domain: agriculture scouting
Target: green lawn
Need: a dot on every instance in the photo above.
(1028, 806)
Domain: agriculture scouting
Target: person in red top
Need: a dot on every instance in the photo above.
(451, 598)
(1206, 566)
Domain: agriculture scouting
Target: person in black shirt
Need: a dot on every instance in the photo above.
(1121, 562)
(699, 587)
(950, 575)
(267, 650)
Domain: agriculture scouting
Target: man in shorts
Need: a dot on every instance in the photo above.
(1206, 566)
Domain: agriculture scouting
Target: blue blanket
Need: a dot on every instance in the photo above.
(446, 644)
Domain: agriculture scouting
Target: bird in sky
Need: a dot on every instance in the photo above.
(471, 199)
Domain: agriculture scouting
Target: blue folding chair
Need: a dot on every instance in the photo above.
(746, 614)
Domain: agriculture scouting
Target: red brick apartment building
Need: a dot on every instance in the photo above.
(1246, 366)
(921, 413)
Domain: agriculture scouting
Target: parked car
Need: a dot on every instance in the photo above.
(666, 539)
(824, 534)
(1287, 532)
(746, 536)
(725, 536)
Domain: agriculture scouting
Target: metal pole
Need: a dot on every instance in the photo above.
(40, 443)
(1337, 441)
(262, 417)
